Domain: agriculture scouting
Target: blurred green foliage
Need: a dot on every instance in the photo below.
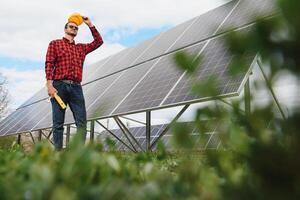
(258, 158)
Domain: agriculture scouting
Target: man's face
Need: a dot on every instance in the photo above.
(71, 29)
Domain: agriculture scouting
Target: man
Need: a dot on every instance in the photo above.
(63, 67)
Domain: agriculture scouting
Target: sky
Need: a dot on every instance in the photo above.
(27, 27)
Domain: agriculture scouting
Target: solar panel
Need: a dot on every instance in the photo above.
(135, 53)
(145, 77)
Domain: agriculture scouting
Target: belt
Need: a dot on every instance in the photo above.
(70, 82)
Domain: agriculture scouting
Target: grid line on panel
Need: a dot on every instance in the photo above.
(41, 94)
(103, 93)
(12, 122)
(205, 25)
(134, 87)
(152, 89)
(90, 74)
(32, 118)
(127, 62)
(30, 110)
(216, 60)
(119, 89)
(166, 41)
(183, 74)
(247, 12)
(113, 61)
(94, 91)
(10, 119)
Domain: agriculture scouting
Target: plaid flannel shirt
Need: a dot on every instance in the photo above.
(64, 60)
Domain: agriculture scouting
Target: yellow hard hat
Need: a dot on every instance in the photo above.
(76, 18)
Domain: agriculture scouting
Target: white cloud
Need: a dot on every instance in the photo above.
(22, 84)
(27, 26)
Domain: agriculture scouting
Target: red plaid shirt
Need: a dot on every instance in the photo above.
(64, 60)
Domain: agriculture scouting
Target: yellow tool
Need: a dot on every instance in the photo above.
(60, 101)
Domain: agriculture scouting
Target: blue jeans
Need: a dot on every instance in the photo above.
(72, 95)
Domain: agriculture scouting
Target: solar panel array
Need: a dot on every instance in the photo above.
(145, 77)
(207, 140)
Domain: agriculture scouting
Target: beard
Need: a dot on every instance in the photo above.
(71, 34)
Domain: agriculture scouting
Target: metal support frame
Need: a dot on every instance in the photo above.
(169, 125)
(68, 133)
(247, 97)
(19, 139)
(49, 134)
(229, 104)
(47, 137)
(30, 133)
(269, 85)
(124, 132)
(92, 130)
(148, 130)
(129, 133)
(39, 135)
(115, 136)
(134, 120)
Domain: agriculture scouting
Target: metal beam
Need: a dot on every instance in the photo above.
(130, 119)
(123, 131)
(47, 138)
(247, 98)
(129, 133)
(68, 133)
(49, 134)
(40, 135)
(269, 85)
(148, 130)
(92, 129)
(19, 139)
(31, 137)
(169, 125)
(115, 136)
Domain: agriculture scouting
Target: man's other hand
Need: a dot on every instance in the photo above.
(87, 21)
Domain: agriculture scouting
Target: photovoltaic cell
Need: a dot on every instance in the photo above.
(108, 65)
(106, 103)
(247, 11)
(164, 42)
(9, 120)
(204, 26)
(134, 54)
(41, 94)
(94, 71)
(93, 91)
(31, 118)
(18, 121)
(216, 60)
(154, 87)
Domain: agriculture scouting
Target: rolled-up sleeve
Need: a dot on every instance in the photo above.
(98, 41)
(50, 61)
